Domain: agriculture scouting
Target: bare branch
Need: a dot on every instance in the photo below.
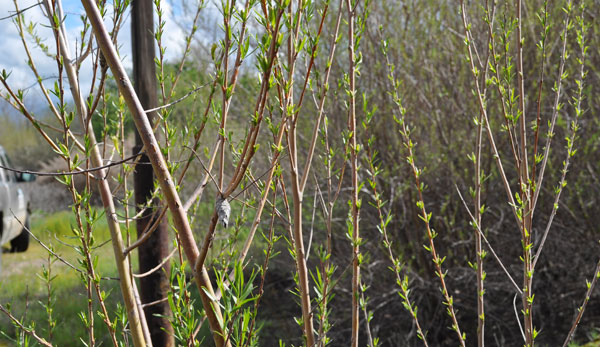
(29, 331)
(488, 243)
(71, 173)
(153, 270)
(188, 94)
(16, 13)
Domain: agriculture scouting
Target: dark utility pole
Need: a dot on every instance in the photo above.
(153, 288)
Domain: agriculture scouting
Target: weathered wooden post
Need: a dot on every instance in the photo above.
(153, 288)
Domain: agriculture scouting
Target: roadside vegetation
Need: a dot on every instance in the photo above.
(42, 289)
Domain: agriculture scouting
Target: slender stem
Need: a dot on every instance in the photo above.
(384, 220)
(270, 244)
(556, 105)
(423, 215)
(479, 254)
(478, 228)
(107, 200)
(354, 163)
(539, 103)
(315, 133)
(478, 249)
(224, 90)
(297, 192)
(28, 330)
(574, 127)
(526, 222)
(588, 294)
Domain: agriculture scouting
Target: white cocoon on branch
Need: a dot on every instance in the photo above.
(223, 211)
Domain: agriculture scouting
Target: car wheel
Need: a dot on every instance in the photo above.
(21, 242)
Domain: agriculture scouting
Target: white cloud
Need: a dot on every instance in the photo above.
(13, 57)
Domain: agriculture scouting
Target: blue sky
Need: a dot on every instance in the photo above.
(13, 56)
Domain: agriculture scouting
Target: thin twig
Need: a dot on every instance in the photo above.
(205, 169)
(483, 111)
(71, 173)
(188, 94)
(588, 294)
(140, 310)
(21, 11)
(197, 194)
(54, 253)
(488, 243)
(155, 302)
(517, 316)
(152, 227)
(312, 225)
(150, 272)
(555, 109)
(29, 331)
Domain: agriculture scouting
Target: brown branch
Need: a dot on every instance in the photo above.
(163, 210)
(21, 11)
(153, 270)
(29, 331)
(317, 125)
(150, 228)
(160, 168)
(354, 163)
(588, 295)
(478, 228)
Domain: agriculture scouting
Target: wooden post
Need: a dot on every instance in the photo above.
(153, 288)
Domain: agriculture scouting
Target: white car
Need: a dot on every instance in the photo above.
(14, 207)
